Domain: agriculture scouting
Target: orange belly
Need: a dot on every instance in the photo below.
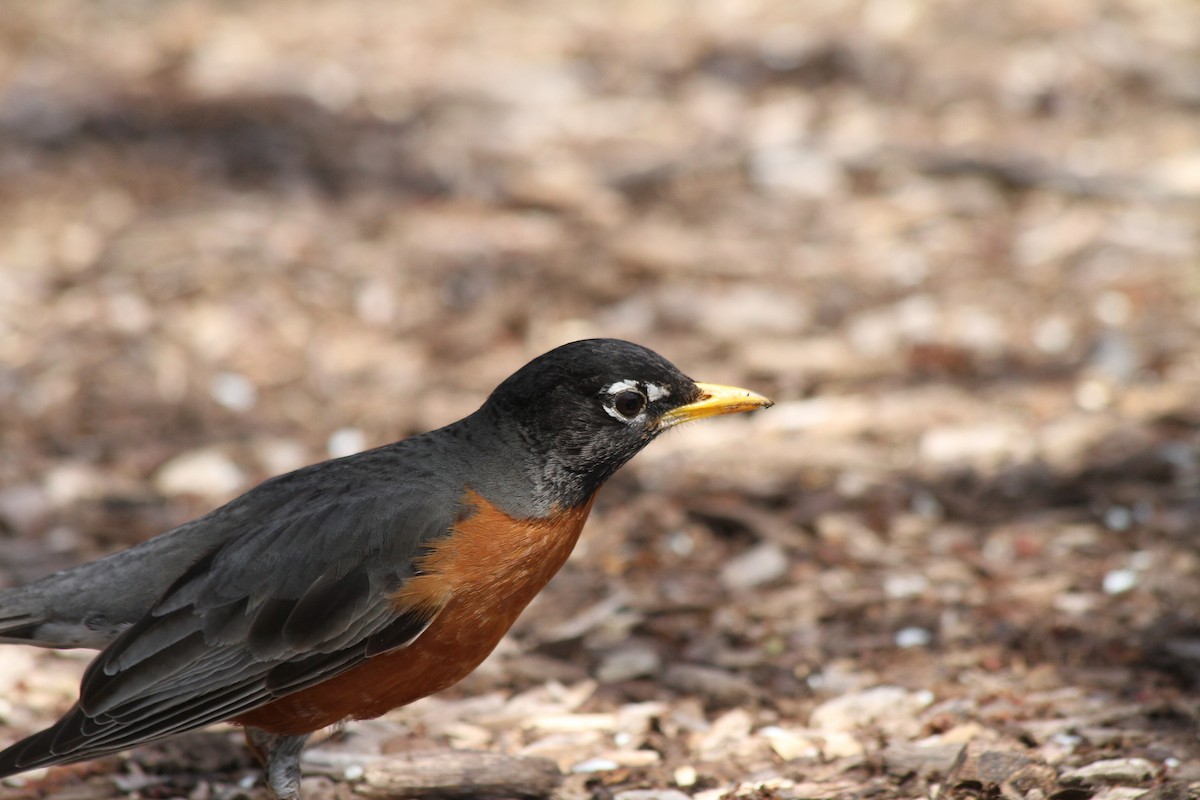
(482, 576)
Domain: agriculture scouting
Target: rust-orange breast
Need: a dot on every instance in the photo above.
(481, 576)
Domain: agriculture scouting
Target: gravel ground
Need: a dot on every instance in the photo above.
(958, 242)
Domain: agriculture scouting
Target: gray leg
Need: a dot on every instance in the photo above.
(280, 757)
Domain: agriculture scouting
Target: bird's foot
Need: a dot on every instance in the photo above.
(280, 757)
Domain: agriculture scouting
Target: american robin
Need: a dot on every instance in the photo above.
(351, 587)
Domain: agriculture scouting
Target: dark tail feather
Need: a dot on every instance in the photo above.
(33, 752)
(18, 625)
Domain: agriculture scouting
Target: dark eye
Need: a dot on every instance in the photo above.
(629, 403)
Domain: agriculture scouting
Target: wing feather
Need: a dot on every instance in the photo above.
(303, 593)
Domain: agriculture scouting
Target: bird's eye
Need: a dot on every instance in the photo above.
(629, 403)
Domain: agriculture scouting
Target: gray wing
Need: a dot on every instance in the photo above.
(301, 596)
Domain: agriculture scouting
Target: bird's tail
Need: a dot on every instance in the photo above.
(20, 618)
(41, 750)
(89, 605)
(55, 612)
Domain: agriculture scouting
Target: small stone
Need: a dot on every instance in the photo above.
(1093, 395)
(686, 776)
(682, 543)
(278, 455)
(573, 722)
(346, 442)
(1053, 335)
(72, 482)
(233, 391)
(634, 758)
(790, 744)
(627, 664)
(595, 765)
(1119, 771)
(901, 585)
(759, 565)
(855, 710)
(1119, 581)
(206, 472)
(960, 734)
(1178, 174)
(1118, 518)
(913, 637)
(1077, 604)
(850, 533)
(839, 744)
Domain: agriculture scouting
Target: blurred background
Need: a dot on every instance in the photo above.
(958, 242)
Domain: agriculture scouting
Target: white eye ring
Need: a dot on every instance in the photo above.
(623, 393)
(646, 392)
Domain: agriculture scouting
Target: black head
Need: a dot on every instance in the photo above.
(579, 412)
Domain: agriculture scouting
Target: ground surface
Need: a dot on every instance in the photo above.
(959, 242)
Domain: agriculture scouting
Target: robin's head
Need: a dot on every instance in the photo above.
(582, 410)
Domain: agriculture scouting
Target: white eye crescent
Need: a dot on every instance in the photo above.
(656, 392)
(628, 399)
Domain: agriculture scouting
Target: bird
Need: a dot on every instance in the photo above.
(347, 588)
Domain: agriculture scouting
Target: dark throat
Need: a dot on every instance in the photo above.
(526, 477)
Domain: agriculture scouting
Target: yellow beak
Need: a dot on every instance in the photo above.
(714, 401)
